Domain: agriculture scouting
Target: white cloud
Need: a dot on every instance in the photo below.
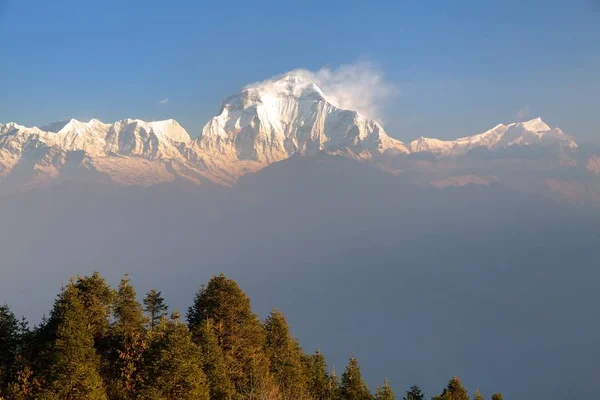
(164, 101)
(360, 87)
(523, 113)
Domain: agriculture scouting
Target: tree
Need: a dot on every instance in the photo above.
(74, 372)
(213, 363)
(334, 386)
(127, 311)
(478, 395)
(96, 297)
(414, 393)
(128, 342)
(172, 364)
(9, 345)
(285, 357)
(385, 392)
(353, 387)
(154, 305)
(496, 396)
(319, 381)
(239, 333)
(453, 391)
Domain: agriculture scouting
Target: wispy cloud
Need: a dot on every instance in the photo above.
(360, 86)
(164, 101)
(523, 113)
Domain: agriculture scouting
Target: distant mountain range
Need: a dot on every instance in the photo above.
(273, 120)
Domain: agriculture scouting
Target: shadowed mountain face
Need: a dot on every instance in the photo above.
(421, 282)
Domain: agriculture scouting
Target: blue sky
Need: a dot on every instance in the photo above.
(457, 69)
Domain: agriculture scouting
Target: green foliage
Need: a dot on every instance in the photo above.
(75, 368)
(320, 384)
(96, 297)
(155, 307)
(414, 393)
(453, 391)
(285, 357)
(213, 364)
(9, 345)
(478, 395)
(224, 353)
(173, 364)
(127, 311)
(127, 343)
(353, 387)
(239, 332)
(385, 392)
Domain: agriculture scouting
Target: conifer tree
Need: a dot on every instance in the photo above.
(353, 387)
(74, 372)
(155, 307)
(239, 332)
(213, 363)
(497, 396)
(9, 345)
(96, 297)
(319, 381)
(285, 357)
(478, 395)
(453, 391)
(334, 386)
(385, 392)
(127, 311)
(128, 342)
(173, 364)
(414, 393)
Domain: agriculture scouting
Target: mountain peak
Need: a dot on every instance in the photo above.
(536, 125)
(292, 84)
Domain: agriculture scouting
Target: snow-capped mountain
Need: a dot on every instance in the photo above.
(272, 120)
(534, 132)
(264, 123)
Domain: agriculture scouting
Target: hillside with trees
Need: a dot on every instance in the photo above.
(102, 343)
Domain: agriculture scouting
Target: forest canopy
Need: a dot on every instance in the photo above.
(100, 342)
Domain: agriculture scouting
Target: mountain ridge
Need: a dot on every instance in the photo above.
(262, 124)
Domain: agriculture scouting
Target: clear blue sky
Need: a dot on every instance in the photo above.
(460, 68)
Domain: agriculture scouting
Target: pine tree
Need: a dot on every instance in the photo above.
(127, 311)
(239, 332)
(74, 372)
(128, 342)
(497, 396)
(414, 393)
(334, 386)
(453, 391)
(478, 395)
(96, 297)
(154, 305)
(285, 356)
(385, 392)
(9, 345)
(173, 364)
(213, 364)
(319, 381)
(353, 387)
